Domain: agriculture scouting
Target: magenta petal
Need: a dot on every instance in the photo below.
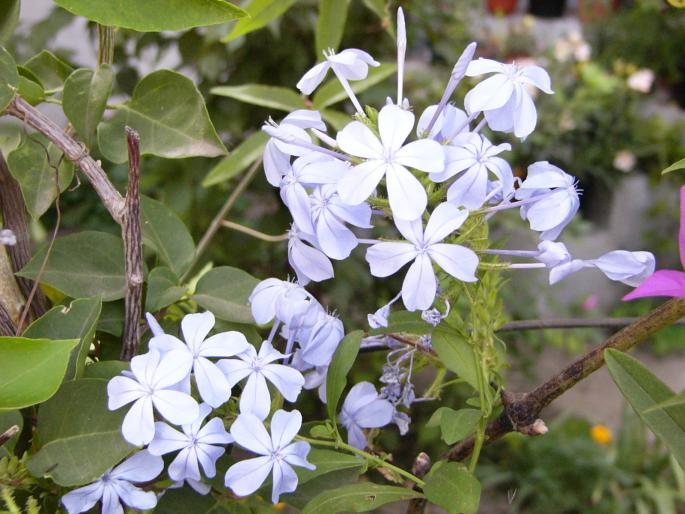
(681, 233)
(664, 282)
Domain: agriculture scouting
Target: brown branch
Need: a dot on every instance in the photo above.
(14, 218)
(542, 324)
(133, 250)
(7, 327)
(75, 151)
(9, 434)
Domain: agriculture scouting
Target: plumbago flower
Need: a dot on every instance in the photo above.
(116, 486)
(363, 408)
(424, 247)
(276, 453)
(307, 260)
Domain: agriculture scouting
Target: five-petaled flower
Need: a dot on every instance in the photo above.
(363, 408)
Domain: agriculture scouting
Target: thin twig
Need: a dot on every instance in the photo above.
(133, 250)
(254, 233)
(105, 45)
(543, 324)
(9, 434)
(216, 222)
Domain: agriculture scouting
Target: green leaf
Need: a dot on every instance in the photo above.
(335, 118)
(8, 419)
(453, 488)
(105, 369)
(32, 165)
(82, 265)
(327, 461)
(459, 424)
(162, 289)
(154, 15)
(331, 24)
(242, 156)
(673, 401)
(49, 69)
(680, 165)
(9, 78)
(225, 291)
(31, 370)
(84, 99)
(332, 92)
(456, 354)
(342, 362)
(9, 15)
(644, 390)
(360, 497)
(31, 91)
(80, 437)
(166, 234)
(170, 115)
(272, 97)
(77, 321)
(380, 9)
(184, 499)
(261, 13)
(404, 321)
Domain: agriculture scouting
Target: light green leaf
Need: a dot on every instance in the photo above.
(327, 461)
(31, 370)
(644, 390)
(10, 137)
(360, 497)
(112, 318)
(170, 115)
(80, 438)
(105, 369)
(31, 91)
(84, 99)
(166, 234)
(331, 24)
(272, 97)
(332, 92)
(405, 321)
(154, 15)
(453, 488)
(335, 118)
(680, 165)
(9, 15)
(34, 170)
(162, 289)
(242, 156)
(49, 69)
(459, 424)
(8, 419)
(82, 265)
(9, 78)
(342, 362)
(77, 321)
(225, 292)
(456, 354)
(261, 13)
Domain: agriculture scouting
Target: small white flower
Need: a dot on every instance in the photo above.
(197, 349)
(277, 454)
(420, 283)
(320, 338)
(7, 237)
(363, 408)
(116, 486)
(258, 368)
(641, 80)
(631, 268)
(150, 384)
(199, 446)
(389, 157)
(309, 262)
(280, 299)
(350, 64)
(624, 160)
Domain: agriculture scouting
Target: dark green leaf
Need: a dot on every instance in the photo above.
(31, 369)
(49, 69)
(9, 15)
(453, 488)
(331, 24)
(112, 318)
(225, 291)
(175, 501)
(84, 99)
(405, 321)
(242, 156)
(459, 424)
(35, 165)
(170, 115)
(82, 265)
(272, 97)
(154, 15)
(80, 438)
(9, 78)
(261, 13)
(31, 91)
(332, 92)
(456, 354)
(105, 369)
(8, 419)
(166, 234)
(680, 165)
(77, 321)
(162, 289)
(342, 362)
(327, 461)
(644, 390)
(360, 497)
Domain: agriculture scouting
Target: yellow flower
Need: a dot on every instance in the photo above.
(601, 434)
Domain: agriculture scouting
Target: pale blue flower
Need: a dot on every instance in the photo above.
(363, 408)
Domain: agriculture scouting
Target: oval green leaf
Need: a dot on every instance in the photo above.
(260, 13)
(360, 497)
(49, 69)
(456, 354)
(271, 97)
(162, 289)
(84, 99)
(331, 24)
(170, 115)
(453, 488)
(154, 15)
(9, 16)
(225, 291)
(242, 156)
(9, 78)
(342, 362)
(31, 370)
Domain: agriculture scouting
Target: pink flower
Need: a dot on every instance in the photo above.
(666, 282)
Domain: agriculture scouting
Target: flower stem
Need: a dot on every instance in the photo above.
(254, 233)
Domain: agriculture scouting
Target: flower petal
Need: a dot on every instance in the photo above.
(457, 260)
(246, 476)
(445, 219)
(249, 432)
(138, 427)
(359, 140)
(255, 398)
(394, 126)
(284, 427)
(387, 258)
(211, 382)
(207, 455)
(489, 94)
(195, 328)
(424, 154)
(481, 66)
(407, 196)
(285, 480)
(420, 284)
(375, 414)
(185, 465)
(122, 390)
(311, 80)
(664, 282)
(174, 366)
(176, 407)
(83, 498)
(167, 440)
(526, 116)
(296, 454)
(538, 77)
(234, 370)
(225, 344)
(359, 183)
(287, 380)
